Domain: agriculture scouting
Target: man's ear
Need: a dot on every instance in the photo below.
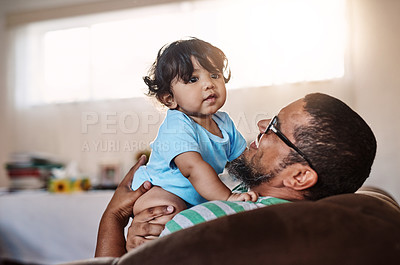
(300, 177)
(168, 100)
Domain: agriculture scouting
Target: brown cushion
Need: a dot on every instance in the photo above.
(343, 229)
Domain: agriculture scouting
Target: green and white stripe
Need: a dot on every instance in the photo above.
(212, 210)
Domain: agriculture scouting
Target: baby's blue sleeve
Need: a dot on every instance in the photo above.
(176, 136)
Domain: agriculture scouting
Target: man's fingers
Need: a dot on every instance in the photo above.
(140, 233)
(144, 187)
(141, 190)
(135, 242)
(147, 229)
(129, 176)
(154, 212)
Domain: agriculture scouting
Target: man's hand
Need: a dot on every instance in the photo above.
(148, 225)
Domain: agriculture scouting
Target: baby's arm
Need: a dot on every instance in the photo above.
(205, 180)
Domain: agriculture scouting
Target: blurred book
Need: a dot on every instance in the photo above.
(30, 170)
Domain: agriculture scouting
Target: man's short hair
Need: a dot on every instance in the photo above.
(339, 143)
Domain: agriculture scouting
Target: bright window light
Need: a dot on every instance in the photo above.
(105, 56)
(66, 65)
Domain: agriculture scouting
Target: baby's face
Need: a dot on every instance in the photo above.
(203, 95)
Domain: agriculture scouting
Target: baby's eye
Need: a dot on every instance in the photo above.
(193, 79)
(215, 76)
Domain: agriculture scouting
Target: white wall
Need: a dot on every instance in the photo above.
(369, 87)
(3, 101)
(376, 55)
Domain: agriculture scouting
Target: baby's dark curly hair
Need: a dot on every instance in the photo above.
(174, 60)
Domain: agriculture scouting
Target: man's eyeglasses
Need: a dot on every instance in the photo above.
(272, 127)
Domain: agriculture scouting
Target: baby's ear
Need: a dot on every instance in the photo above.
(168, 100)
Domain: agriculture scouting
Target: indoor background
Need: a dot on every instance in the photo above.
(86, 129)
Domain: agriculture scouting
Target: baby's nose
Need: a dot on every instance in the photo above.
(208, 83)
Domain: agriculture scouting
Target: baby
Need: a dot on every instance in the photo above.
(195, 141)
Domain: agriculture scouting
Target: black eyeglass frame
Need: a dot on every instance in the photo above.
(272, 127)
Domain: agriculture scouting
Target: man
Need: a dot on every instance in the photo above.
(315, 147)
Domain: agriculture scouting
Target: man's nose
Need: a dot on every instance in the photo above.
(263, 124)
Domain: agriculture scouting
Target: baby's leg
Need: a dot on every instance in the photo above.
(157, 196)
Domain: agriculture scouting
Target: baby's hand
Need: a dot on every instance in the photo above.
(246, 196)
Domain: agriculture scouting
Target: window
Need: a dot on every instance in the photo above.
(105, 56)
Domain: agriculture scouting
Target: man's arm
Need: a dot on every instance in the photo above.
(110, 238)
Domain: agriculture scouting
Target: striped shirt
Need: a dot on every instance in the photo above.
(214, 209)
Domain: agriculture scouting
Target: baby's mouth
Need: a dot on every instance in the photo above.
(211, 98)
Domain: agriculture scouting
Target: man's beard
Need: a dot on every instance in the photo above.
(247, 173)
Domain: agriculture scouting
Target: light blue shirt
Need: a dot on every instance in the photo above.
(178, 134)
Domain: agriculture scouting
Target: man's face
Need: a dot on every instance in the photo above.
(263, 163)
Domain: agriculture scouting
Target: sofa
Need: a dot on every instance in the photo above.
(361, 228)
